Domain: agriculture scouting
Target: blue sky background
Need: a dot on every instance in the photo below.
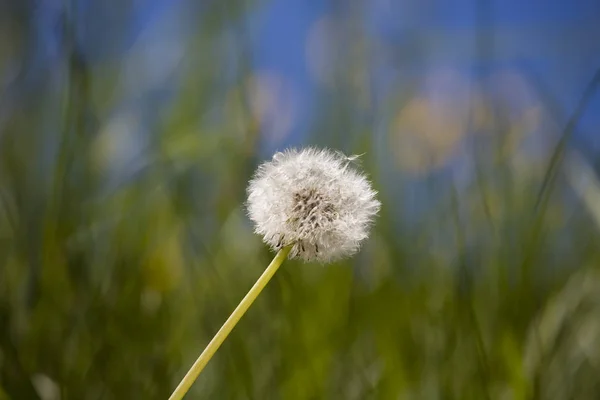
(558, 41)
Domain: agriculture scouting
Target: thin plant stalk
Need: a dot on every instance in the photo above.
(228, 326)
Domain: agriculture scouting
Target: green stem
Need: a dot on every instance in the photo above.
(228, 326)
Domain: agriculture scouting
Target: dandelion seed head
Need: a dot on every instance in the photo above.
(314, 200)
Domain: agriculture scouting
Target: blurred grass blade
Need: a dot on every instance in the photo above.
(585, 183)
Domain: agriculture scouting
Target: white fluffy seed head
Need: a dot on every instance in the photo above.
(314, 200)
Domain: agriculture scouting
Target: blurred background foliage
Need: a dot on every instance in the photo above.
(129, 130)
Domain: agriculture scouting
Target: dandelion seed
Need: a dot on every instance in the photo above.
(354, 157)
(314, 201)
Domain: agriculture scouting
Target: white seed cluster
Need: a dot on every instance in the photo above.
(314, 200)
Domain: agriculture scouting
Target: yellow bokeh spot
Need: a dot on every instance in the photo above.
(116, 143)
(273, 104)
(425, 134)
(164, 262)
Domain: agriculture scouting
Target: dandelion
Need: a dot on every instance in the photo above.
(309, 204)
(314, 201)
